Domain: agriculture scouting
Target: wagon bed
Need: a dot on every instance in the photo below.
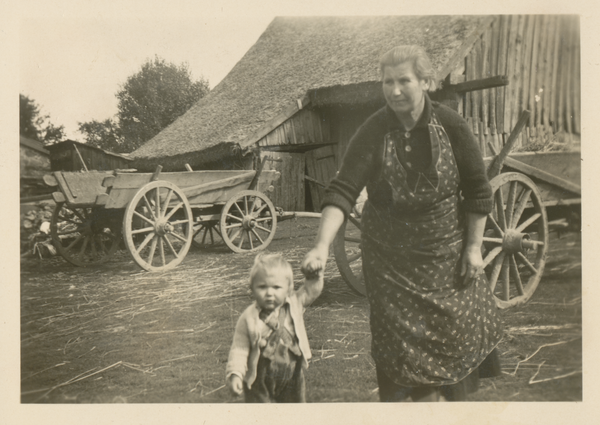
(159, 214)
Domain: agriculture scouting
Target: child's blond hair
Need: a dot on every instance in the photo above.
(268, 262)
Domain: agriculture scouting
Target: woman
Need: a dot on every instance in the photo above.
(433, 319)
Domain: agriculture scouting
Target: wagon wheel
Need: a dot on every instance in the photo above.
(348, 254)
(205, 234)
(158, 226)
(248, 222)
(516, 239)
(84, 236)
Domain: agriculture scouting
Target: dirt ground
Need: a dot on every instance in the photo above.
(116, 334)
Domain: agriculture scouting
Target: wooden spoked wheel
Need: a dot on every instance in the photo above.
(158, 226)
(206, 235)
(516, 239)
(248, 222)
(84, 236)
(348, 254)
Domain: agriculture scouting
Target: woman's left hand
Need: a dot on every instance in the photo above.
(471, 264)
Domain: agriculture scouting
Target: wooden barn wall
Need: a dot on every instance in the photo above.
(541, 56)
(65, 158)
(304, 128)
(289, 190)
(343, 123)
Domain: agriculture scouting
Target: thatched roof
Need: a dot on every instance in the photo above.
(294, 57)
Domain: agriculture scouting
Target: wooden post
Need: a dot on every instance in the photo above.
(535, 74)
(554, 86)
(482, 137)
(256, 177)
(495, 35)
(576, 80)
(502, 55)
(519, 71)
(526, 90)
(509, 99)
(485, 69)
(80, 158)
(156, 173)
(551, 30)
(496, 165)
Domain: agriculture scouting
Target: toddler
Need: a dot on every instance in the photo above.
(270, 348)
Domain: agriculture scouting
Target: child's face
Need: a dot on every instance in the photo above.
(270, 289)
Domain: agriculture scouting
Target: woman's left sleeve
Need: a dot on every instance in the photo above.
(474, 184)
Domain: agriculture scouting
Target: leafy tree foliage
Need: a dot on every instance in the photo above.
(153, 98)
(104, 135)
(36, 126)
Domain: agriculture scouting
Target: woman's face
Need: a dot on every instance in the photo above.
(402, 89)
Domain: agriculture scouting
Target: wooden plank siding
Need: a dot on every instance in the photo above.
(541, 56)
(304, 128)
(289, 192)
(320, 166)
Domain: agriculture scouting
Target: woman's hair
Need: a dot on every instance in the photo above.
(414, 54)
(268, 262)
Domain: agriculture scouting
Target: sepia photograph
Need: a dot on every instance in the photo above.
(298, 205)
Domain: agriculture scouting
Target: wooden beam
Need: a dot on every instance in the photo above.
(310, 179)
(463, 50)
(80, 158)
(496, 166)
(35, 198)
(482, 84)
(542, 175)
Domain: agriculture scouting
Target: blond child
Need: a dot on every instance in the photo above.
(270, 350)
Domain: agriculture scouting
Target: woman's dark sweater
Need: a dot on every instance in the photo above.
(362, 161)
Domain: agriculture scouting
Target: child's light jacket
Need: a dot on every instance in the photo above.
(245, 349)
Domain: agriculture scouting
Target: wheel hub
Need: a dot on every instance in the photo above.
(163, 227)
(514, 242)
(249, 222)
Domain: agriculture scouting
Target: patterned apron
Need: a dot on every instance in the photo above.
(427, 327)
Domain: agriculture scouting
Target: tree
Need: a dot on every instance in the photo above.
(104, 135)
(154, 97)
(36, 126)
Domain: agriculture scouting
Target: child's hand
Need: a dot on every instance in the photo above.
(234, 383)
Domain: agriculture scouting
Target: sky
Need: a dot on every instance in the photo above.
(73, 67)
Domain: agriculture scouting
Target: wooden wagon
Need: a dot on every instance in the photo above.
(516, 236)
(158, 215)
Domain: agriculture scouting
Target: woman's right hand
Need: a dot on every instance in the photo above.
(234, 383)
(315, 261)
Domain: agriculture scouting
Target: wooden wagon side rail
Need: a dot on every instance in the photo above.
(75, 188)
(200, 187)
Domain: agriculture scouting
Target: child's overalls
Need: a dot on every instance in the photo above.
(279, 373)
